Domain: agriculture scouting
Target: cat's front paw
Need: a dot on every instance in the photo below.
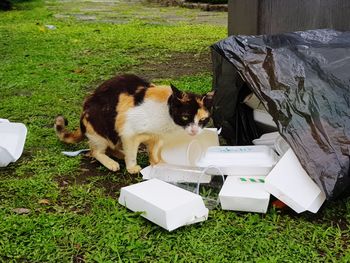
(113, 166)
(134, 169)
(155, 161)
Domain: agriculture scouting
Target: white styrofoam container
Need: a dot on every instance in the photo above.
(244, 193)
(176, 173)
(267, 139)
(183, 149)
(164, 204)
(289, 182)
(240, 160)
(263, 117)
(273, 140)
(281, 146)
(12, 139)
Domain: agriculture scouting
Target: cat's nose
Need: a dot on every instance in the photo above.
(194, 130)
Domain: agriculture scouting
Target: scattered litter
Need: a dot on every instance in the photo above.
(240, 160)
(290, 183)
(244, 193)
(253, 102)
(164, 204)
(50, 27)
(12, 140)
(21, 211)
(183, 149)
(176, 173)
(264, 119)
(279, 204)
(267, 139)
(281, 145)
(274, 140)
(75, 153)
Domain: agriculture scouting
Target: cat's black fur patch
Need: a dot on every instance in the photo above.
(178, 108)
(107, 94)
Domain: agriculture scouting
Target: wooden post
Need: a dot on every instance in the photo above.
(254, 17)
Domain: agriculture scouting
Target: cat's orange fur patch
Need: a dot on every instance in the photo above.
(201, 114)
(158, 93)
(64, 135)
(126, 102)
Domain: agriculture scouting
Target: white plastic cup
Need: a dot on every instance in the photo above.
(182, 152)
(183, 149)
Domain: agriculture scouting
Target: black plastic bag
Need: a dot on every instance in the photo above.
(304, 77)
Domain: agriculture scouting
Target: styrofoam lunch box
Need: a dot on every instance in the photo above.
(12, 139)
(240, 160)
(289, 182)
(176, 173)
(244, 193)
(273, 140)
(267, 139)
(281, 146)
(164, 204)
(263, 117)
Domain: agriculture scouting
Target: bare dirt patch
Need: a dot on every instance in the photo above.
(175, 66)
(91, 171)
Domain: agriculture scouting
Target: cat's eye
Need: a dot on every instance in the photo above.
(203, 119)
(185, 118)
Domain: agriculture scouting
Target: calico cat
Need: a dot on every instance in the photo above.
(126, 111)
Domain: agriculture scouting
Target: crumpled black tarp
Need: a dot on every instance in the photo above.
(304, 77)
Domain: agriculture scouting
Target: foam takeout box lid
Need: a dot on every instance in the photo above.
(289, 182)
(164, 204)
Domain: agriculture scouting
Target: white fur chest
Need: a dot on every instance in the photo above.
(150, 117)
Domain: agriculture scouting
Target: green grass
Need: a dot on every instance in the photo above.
(46, 72)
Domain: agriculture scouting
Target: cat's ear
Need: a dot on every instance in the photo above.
(176, 92)
(208, 99)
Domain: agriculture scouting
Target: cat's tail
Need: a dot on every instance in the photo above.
(63, 134)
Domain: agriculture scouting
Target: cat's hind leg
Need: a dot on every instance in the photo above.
(98, 146)
(117, 151)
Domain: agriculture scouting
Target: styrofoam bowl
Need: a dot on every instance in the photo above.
(12, 139)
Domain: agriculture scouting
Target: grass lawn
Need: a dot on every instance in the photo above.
(73, 214)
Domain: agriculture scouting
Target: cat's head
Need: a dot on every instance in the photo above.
(190, 111)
